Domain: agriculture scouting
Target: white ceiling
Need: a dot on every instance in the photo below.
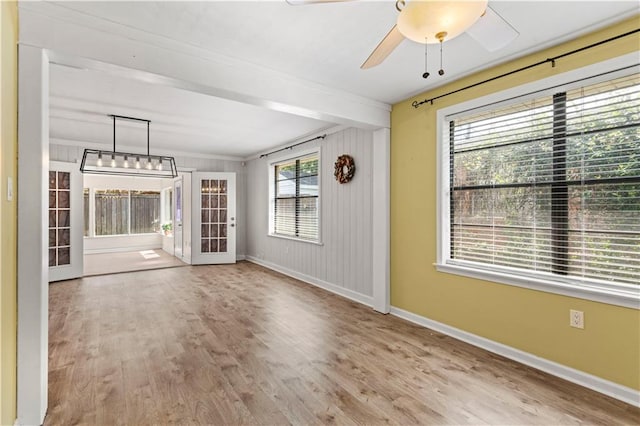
(323, 44)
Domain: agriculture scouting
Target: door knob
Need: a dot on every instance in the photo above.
(232, 225)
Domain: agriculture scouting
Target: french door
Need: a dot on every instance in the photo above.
(213, 218)
(65, 221)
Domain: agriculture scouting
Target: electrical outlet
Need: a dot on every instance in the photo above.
(576, 318)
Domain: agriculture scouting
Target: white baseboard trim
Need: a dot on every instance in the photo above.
(333, 288)
(614, 390)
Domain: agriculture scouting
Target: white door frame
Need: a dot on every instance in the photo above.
(381, 219)
(178, 225)
(33, 230)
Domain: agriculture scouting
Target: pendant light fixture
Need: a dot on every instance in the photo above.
(96, 161)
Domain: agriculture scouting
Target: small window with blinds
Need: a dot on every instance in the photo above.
(550, 187)
(295, 198)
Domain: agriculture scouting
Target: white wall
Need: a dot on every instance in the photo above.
(68, 153)
(118, 243)
(343, 263)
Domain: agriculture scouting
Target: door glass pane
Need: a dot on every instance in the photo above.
(63, 180)
(59, 218)
(52, 257)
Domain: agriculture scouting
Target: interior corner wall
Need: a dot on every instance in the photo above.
(8, 209)
(532, 321)
(343, 262)
(73, 154)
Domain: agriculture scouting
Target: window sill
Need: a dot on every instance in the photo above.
(123, 235)
(301, 240)
(629, 298)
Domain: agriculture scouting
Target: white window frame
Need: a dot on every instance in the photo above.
(615, 294)
(271, 191)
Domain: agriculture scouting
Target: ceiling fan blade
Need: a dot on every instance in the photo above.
(303, 2)
(492, 31)
(384, 49)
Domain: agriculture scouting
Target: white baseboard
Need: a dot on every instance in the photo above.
(614, 390)
(333, 288)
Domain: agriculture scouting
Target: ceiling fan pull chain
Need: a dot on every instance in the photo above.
(441, 37)
(426, 53)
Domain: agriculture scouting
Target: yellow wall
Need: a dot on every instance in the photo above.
(532, 321)
(8, 210)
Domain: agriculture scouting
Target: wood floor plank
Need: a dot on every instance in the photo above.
(243, 345)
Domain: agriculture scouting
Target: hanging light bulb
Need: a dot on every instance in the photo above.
(113, 160)
(137, 162)
(160, 164)
(149, 165)
(126, 162)
(99, 162)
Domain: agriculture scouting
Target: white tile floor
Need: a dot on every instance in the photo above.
(110, 263)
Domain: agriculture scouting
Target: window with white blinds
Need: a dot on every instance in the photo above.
(550, 186)
(295, 198)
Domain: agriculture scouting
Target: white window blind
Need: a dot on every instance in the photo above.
(550, 185)
(296, 198)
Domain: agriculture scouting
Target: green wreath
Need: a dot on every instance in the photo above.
(345, 168)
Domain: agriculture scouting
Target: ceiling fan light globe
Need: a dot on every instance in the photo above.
(421, 20)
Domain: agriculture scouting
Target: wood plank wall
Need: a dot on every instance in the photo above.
(345, 257)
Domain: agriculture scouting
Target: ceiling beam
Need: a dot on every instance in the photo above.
(94, 44)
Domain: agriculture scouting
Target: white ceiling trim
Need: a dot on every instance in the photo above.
(222, 77)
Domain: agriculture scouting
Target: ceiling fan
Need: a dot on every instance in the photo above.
(437, 21)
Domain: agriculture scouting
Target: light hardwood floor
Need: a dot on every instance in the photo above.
(239, 344)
